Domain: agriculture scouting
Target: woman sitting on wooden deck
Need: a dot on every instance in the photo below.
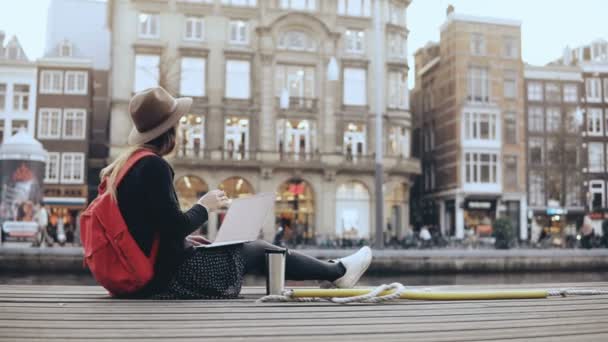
(148, 203)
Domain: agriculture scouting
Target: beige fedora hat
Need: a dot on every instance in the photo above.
(153, 111)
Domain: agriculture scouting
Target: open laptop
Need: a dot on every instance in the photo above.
(244, 219)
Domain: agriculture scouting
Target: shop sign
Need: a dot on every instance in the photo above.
(479, 205)
(64, 191)
(557, 211)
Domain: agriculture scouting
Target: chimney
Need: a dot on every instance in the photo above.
(449, 10)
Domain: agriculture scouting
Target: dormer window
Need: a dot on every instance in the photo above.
(65, 49)
(298, 41)
(599, 51)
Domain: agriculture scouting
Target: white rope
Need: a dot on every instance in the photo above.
(372, 297)
(575, 292)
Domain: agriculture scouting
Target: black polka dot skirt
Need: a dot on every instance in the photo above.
(208, 273)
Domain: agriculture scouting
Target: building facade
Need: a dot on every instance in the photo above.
(268, 115)
(64, 109)
(554, 124)
(92, 41)
(17, 89)
(469, 114)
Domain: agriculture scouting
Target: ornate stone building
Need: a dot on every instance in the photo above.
(268, 115)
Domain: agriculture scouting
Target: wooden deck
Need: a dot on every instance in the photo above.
(37, 313)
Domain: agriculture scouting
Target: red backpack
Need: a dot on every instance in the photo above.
(110, 252)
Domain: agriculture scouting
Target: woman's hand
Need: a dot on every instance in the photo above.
(214, 200)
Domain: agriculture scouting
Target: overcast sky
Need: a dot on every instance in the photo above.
(547, 25)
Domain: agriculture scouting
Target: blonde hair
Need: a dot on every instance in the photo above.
(161, 146)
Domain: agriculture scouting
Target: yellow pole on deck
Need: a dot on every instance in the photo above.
(423, 295)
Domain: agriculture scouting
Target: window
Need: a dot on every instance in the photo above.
(76, 82)
(511, 48)
(236, 138)
(51, 172)
(480, 126)
(606, 90)
(573, 123)
(592, 89)
(195, 29)
(537, 188)
(146, 72)
(553, 119)
(597, 190)
(596, 157)
(535, 119)
(49, 123)
(510, 127)
(397, 90)
(21, 97)
(535, 151)
(192, 80)
(570, 93)
(305, 5)
(237, 79)
(149, 25)
(599, 51)
(355, 41)
(554, 151)
(399, 141)
(535, 91)
(553, 186)
(1, 131)
(480, 167)
(74, 123)
(296, 139)
(19, 124)
(478, 44)
(2, 97)
(298, 41)
(354, 8)
(571, 153)
(239, 32)
(51, 82)
(594, 121)
(552, 92)
(355, 87)
(354, 143)
(249, 3)
(298, 80)
(192, 136)
(72, 168)
(510, 84)
(573, 191)
(397, 45)
(478, 85)
(510, 173)
(396, 14)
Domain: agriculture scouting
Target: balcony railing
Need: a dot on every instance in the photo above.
(299, 156)
(192, 152)
(301, 104)
(358, 158)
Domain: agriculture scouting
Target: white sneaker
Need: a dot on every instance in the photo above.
(355, 265)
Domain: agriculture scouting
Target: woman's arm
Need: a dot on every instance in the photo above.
(163, 200)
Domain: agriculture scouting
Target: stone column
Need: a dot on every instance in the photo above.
(523, 218)
(328, 134)
(326, 205)
(267, 185)
(267, 122)
(459, 217)
(442, 225)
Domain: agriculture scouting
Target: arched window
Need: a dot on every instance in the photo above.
(297, 40)
(189, 189)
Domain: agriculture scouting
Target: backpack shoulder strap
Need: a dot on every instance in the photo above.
(134, 158)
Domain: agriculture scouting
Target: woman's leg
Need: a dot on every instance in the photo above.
(298, 266)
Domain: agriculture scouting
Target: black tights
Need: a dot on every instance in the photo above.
(298, 266)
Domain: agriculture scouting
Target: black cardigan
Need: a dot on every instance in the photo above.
(149, 204)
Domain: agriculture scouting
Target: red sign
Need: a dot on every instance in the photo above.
(296, 189)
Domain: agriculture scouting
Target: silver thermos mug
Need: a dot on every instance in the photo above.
(275, 271)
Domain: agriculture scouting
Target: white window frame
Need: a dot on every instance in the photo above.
(532, 119)
(240, 28)
(473, 122)
(76, 90)
(536, 189)
(299, 80)
(600, 190)
(510, 116)
(472, 162)
(48, 88)
(510, 84)
(478, 44)
(593, 87)
(194, 21)
(53, 159)
(353, 95)
(553, 115)
(79, 114)
(236, 130)
(595, 122)
(536, 142)
(510, 47)
(45, 123)
(599, 155)
(68, 174)
(354, 8)
(235, 86)
(552, 87)
(144, 29)
(193, 77)
(570, 92)
(3, 96)
(354, 40)
(145, 76)
(299, 5)
(397, 90)
(240, 3)
(21, 99)
(478, 77)
(606, 89)
(535, 91)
